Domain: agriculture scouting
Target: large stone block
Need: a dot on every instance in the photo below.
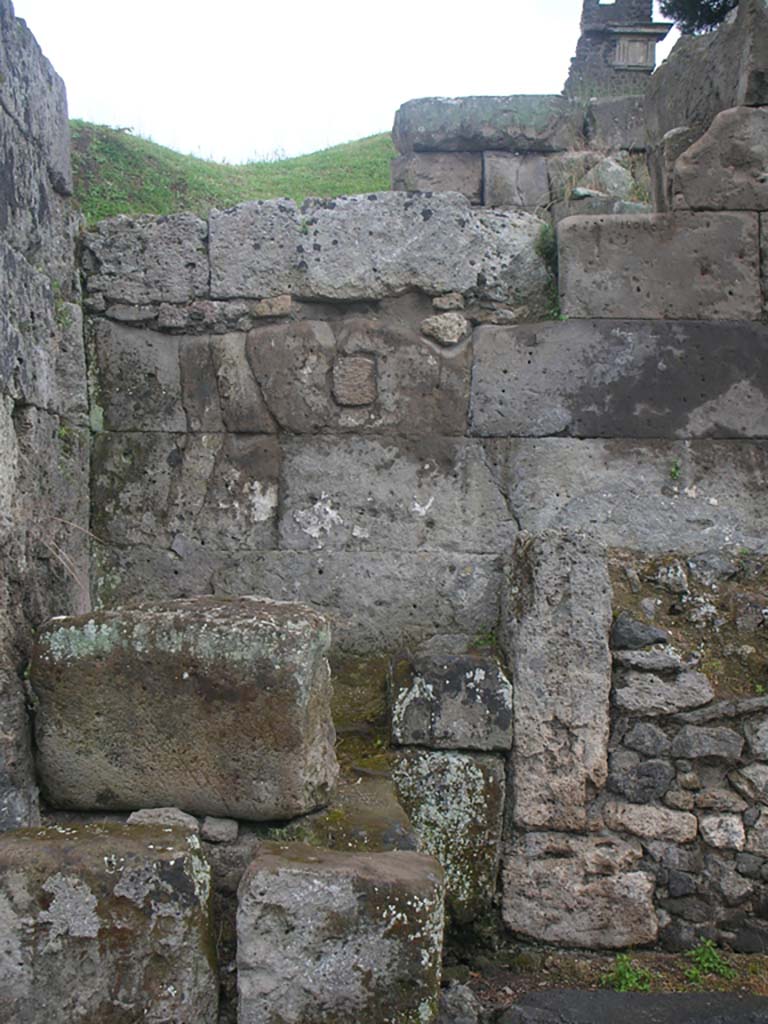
(578, 891)
(440, 172)
(456, 803)
(338, 938)
(178, 490)
(384, 494)
(147, 259)
(694, 266)
(638, 494)
(725, 168)
(522, 124)
(621, 378)
(556, 618)
(372, 246)
(513, 179)
(137, 706)
(615, 122)
(106, 923)
(451, 702)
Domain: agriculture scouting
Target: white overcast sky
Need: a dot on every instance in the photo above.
(236, 79)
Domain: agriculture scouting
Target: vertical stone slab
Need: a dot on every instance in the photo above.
(556, 620)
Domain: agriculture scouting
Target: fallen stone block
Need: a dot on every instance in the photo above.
(453, 702)
(556, 616)
(440, 172)
(456, 804)
(338, 938)
(216, 706)
(578, 891)
(106, 922)
(725, 168)
(682, 266)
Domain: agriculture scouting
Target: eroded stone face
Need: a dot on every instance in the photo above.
(108, 923)
(339, 936)
(215, 706)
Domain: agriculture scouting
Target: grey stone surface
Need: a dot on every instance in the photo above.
(640, 782)
(147, 259)
(583, 203)
(628, 634)
(648, 739)
(245, 675)
(170, 817)
(555, 619)
(757, 782)
(456, 804)
(578, 891)
(352, 936)
(611, 178)
(451, 702)
(446, 328)
(107, 923)
(621, 378)
(440, 172)
(565, 171)
(650, 822)
(725, 168)
(723, 831)
(458, 1005)
(615, 122)
(382, 494)
(368, 247)
(643, 693)
(539, 124)
(757, 735)
(219, 830)
(663, 661)
(678, 266)
(513, 179)
(578, 1007)
(717, 742)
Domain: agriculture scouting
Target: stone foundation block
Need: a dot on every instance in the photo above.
(556, 616)
(694, 266)
(512, 179)
(578, 891)
(616, 122)
(453, 702)
(215, 706)
(105, 923)
(455, 803)
(338, 938)
(440, 172)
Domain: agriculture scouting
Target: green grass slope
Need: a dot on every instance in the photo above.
(116, 172)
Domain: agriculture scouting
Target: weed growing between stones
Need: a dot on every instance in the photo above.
(625, 976)
(706, 960)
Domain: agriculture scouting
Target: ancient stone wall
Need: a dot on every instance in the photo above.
(44, 440)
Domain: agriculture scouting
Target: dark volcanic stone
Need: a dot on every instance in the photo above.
(628, 634)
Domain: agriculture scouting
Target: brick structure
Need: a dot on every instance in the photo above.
(616, 52)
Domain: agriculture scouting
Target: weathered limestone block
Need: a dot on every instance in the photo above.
(456, 803)
(621, 378)
(243, 675)
(108, 923)
(615, 122)
(578, 891)
(556, 616)
(440, 172)
(650, 822)
(387, 493)
(147, 259)
(643, 693)
(395, 598)
(522, 124)
(513, 179)
(725, 168)
(200, 382)
(718, 743)
(176, 490)
(338, 938)
(695, 266)
(723, 831)
(368, 247)
(638, 494)
(452, 702)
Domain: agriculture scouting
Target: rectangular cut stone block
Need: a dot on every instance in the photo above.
(216, 706)
(385, 493)
(511, 179)
(556, 616)
(616, 122)
(451, 702)
(440, 172)
(578, 891)
(682, 266)
(621, 378)
(338, 938)
(456, 803)
(725, 168)
(106, 923)
(650, 822)
(147, 259)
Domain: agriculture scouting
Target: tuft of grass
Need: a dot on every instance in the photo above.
(117, 172)
(707, 961)
(625, 976)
